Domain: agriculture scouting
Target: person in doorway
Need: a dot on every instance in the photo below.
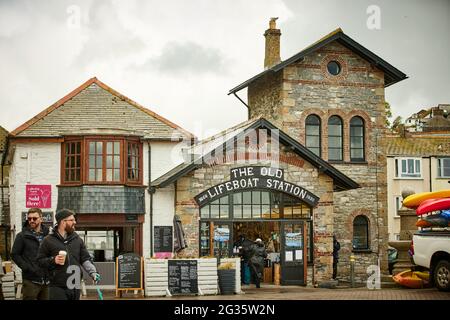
(256, 261)
(24, 253)
(336, 248)
(63, 253)
(244, 247)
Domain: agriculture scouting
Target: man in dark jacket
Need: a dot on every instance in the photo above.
(63, 253)
(256, 261)
(24, 253)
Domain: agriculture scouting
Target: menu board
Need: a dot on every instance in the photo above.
(183, 278)
(129, 271)
(163, 239)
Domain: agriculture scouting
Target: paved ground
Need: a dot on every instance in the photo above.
(270, 292)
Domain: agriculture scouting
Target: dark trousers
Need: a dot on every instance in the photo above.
(256, 276)
(334, 270)
(34, 291)
(58, 293)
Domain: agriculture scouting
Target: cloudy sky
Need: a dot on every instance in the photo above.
(180, 58)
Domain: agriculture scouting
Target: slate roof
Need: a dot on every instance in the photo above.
(391, 74)
(95, 108)
(218, 141)
(420, 145)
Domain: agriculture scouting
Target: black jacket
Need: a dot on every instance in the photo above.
(258, 253)
(24, 253)
(77, 254)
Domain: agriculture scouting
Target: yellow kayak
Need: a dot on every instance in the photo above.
(414, 200)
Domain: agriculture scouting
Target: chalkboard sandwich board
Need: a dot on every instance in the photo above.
(183, 276)
(129, 268)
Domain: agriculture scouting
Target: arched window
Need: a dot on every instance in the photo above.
(312, 132)
(360, 233)
(335, 138)
(357, 139)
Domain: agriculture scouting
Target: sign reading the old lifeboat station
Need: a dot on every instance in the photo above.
(255, 177)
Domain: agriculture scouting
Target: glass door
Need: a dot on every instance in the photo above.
(293, 254)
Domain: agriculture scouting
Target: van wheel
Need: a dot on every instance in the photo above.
(442, 275)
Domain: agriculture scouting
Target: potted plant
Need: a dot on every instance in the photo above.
(227, 277)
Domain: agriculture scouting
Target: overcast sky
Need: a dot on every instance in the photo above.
(180, 58)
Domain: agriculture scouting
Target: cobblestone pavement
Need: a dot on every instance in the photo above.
(301, 293)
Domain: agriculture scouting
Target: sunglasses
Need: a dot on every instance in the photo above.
(33, 218)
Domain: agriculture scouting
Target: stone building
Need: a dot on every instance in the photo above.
(4, 198)
(330, 97)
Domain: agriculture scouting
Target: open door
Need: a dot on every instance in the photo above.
(293, 254)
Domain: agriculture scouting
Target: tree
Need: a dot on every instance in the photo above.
(397, 125)
(388, 114)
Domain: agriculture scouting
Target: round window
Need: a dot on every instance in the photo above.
(334, 68)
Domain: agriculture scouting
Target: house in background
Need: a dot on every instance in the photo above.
(419, 161)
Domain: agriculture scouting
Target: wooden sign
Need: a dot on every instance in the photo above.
(163, 239)
(129, 269)
(183, 276)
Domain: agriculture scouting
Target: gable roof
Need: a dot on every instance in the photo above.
(90, 106)
(391, 74)
(217, 142)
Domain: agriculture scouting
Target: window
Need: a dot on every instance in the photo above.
(256, 205)
(72, 161)
(360, 233)
(356, 139)
(408, 168)
(398, 204)
(312, 134)
(444, 168)
(335, 138)
(115, 160)
(133, 161)
(334, 68)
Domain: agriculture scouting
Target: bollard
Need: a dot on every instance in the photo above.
(352, 270)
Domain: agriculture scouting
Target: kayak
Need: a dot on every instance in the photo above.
(410, 279)
(431, 205)
(435, 220)
(414, 200)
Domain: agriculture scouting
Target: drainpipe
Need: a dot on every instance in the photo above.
(431, 180)
(151, 191)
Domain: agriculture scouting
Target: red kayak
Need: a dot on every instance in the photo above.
(431, 205)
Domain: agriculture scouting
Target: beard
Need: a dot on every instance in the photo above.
(70, 229)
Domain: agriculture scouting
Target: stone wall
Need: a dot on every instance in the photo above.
(306, 88)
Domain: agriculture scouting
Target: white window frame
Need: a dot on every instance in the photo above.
(397, 205)
(417, 168)
(441, 167)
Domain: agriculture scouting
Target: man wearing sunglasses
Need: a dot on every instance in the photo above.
(24, 254)
(63, 253)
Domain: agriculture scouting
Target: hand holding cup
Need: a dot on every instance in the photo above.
(61, 257)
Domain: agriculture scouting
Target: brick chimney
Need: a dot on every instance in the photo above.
(272, 35)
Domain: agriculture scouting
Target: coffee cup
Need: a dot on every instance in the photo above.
(63, 254)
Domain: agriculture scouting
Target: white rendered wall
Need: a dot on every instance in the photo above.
(33, 163)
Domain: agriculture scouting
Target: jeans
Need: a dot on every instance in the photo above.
(34, 291)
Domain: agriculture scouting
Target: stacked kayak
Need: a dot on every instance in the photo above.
(437, 203)
(412, 279)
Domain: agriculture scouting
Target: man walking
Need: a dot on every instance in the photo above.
(336, 248)
(63, 253)
(24, 253)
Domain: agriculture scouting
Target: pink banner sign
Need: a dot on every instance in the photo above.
(163, 255)
(38, 196)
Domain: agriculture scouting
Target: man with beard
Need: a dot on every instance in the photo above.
(63, 253)
(24, 253)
